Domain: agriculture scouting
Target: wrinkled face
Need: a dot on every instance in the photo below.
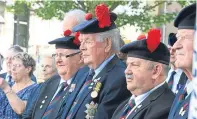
(18, 70)
(65, 65)
(184, 48)
(47, 67)
(138, 76)
(8, 59)
(93, 52)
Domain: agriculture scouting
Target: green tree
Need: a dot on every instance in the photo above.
(140, 14)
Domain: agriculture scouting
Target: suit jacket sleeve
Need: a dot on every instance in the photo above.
(116, 94)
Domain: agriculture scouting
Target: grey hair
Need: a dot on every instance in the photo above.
(27, 60)
(114, 34)
(77, 13)
(16, 49)
(151, 65)
(49, 55)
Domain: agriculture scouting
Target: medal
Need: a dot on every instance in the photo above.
(94, 94)
(97, 88)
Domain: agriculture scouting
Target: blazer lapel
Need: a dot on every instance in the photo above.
(102, 76)
(45, 97)
(70, 98)
(153, 96)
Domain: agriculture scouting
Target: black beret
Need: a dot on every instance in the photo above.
(172, 39)
(141, 49)
(91, 25)
(186, 18)
(65, 42)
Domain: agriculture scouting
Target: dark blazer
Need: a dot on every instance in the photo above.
(155, 106)
(33, 78)
(175, 111)
(70, 96)
(113, 91)
(44, 91)
(41, 97)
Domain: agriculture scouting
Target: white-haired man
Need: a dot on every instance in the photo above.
(104, 85)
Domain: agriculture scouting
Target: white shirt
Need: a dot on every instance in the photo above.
(189, 87)
(99, 69)
(139, 99)
(61, 81)
(177, 77)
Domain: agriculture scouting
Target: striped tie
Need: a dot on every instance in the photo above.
(181, 97)
(128, 108)
(84, 88)
(171, 80)
(55, 100)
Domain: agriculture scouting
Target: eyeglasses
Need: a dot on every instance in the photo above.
(64, 55)
(16, 65)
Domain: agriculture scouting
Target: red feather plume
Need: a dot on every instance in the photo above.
(153, 39)
(76, 40)
(140, 37)
(88, 16)
(67, 32)
(103, 15)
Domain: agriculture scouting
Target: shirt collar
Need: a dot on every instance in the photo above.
(189, 87)
(142, 97)
(178, 71)
(98, 70)
(68, 81)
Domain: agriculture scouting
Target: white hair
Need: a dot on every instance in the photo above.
(77, 13)
(114, 34)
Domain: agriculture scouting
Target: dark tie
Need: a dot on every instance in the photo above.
(128, 108)
(55, 100)
(83, 89)
(10, 81)
(181, 97)
(171, 80)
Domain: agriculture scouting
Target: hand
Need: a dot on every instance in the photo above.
(3, 84)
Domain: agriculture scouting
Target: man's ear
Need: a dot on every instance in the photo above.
(157, 69)
(108, 44)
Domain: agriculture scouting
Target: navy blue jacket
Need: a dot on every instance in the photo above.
(113, 91)
(35, 107)
(155, 106)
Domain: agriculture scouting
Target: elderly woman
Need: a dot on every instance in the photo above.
(13, 98)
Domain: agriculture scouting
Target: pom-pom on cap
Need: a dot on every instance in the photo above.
(104, 21)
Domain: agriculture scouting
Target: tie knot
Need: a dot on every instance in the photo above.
(174, 72)
(132, 103)
(64, 84)
(91, 72)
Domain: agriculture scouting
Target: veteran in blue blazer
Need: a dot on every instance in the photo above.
(104, 85)
(185, 22)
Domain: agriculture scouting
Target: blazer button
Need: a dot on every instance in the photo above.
(41, 106)
(43, 101)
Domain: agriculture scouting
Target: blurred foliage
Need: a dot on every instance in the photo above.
(143, 17)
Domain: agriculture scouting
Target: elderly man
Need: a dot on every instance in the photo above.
(176, 78)
(12, 51)
(147, 63)
(105, 84)
(54, 93)
(185, 22)
(48, 68)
